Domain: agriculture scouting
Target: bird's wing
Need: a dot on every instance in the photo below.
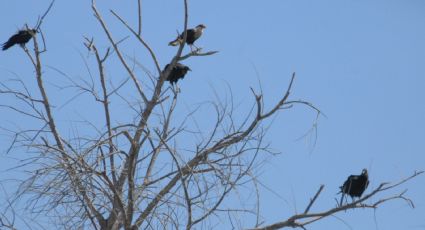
(347, 184)
(188, 32)
(353, 177)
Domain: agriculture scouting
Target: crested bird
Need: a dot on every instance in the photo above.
(355, 185)
(22, 37)
(178, 72)
(191, 36)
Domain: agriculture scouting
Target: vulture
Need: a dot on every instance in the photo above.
(178, 72)
(191, 37)
(355, 185)
(22, 37)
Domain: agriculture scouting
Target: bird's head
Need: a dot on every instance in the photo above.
(364, 172)
(201, 27)
(186, 68)
(32, 31)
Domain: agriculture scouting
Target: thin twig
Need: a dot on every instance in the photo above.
(314, 199)
(44, 15)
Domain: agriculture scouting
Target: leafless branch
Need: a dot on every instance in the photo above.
(197, 53)
(40, 21)
(144, 161)
(116, 49)
(302, 220)
(314, 199)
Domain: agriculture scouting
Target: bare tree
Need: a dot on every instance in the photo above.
(135, 174)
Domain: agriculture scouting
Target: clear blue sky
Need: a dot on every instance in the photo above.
(361, 62)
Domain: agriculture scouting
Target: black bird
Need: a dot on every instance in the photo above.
(178, 72)
(22, 37)
(355, 185)
(191, 37)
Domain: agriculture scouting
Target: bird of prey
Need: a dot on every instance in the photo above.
(178, 72)
(355, 185)
(191, 37)
(22, 37)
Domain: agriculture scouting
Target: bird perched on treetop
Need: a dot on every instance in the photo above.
(191, 37)
(178, 72)
(355, 185)
(22, 37)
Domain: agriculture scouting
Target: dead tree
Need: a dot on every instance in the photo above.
(135, 174)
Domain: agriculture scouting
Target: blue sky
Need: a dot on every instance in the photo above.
(362, 63)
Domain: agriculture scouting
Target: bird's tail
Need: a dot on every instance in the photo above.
(7, 45)
(175, 42)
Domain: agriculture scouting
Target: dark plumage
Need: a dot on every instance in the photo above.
(178, 72)
(22, 37)
(191, 37)
(355, 185)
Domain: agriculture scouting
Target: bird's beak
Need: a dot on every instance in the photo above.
(189, 69)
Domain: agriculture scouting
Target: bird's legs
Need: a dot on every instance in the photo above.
(23, 47)
(176, 88)
(196, 50)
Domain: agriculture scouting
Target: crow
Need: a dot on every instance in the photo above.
(22, 37)
(191, 37)
(178, 72)
(355, 185)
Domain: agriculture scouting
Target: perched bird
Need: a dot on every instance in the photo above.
(355, 185)
(22, 37)
(178, 72)
(191, 37)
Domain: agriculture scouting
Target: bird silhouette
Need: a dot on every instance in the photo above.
(21, 38)
(178, 72)
(191, 36)
(355, 185)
